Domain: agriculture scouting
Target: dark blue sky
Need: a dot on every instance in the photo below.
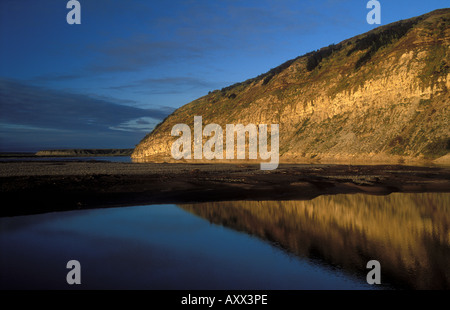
(109, 81)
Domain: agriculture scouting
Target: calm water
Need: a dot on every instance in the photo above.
(324, 243)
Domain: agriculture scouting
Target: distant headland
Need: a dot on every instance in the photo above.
(85, 152)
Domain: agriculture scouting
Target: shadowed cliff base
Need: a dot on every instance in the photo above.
(38, 187)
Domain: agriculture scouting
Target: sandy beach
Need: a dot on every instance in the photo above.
(31, 187)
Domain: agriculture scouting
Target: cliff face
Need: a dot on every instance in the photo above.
(381, 96)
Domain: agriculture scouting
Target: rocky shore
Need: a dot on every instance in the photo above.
(36, 187)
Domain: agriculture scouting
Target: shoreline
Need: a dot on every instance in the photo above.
(32, 187)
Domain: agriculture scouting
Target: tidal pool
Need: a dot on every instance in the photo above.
(323, 243)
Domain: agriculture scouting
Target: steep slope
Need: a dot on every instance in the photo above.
(381, 96)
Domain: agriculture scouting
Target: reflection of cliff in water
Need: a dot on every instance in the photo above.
(409, 234)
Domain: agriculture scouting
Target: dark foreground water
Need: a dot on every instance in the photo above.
(324, 243)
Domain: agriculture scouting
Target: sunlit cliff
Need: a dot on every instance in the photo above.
(381, 96)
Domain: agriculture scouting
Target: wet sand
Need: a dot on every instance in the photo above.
(37, 187)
